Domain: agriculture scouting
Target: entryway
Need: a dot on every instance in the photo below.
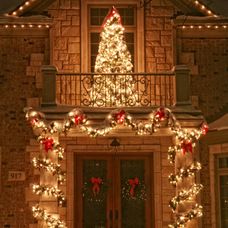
(113, 191)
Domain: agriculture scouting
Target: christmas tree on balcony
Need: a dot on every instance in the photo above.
(117, 87)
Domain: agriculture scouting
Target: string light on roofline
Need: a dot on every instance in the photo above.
(204, 26)
(22, 7)
(24, 26)
(203, 8)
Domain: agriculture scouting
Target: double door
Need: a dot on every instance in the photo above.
(113, 191)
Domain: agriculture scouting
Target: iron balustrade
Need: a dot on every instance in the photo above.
(99, 90)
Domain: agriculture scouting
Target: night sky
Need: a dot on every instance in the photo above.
(219, 6)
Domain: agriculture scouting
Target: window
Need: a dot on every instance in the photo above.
(222, 189)
(97, 16)
(92, 16)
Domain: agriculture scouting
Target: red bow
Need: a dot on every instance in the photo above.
(160, 114)
(204, 128)
(133, 183)
(78, 119)
(34, 121)
(48, 144)
(120, 116)
(186, 146)
(111, 13)
(96, 181)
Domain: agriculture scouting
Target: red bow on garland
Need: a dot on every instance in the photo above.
(204, 128)
(48, 144)
(133, 183)
(160, 114)
(96, 182)
(186, 146)
(78, 119)
(120, 116)
(34, 121)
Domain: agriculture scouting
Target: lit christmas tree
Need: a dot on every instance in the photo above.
(113, 57)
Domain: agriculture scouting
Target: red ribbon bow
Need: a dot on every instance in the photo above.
(48, 144)
(160, 114)
(120, 116)
(34, 121)
(96, 182)
(133, 183)
(186, 146)
(78, 119)
(204, 128)
(110, 14)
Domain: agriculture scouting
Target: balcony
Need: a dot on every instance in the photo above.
(137, 89)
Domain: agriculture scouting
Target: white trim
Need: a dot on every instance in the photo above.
(139, 54)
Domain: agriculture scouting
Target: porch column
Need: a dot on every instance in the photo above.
(182, 82)
(49, 85)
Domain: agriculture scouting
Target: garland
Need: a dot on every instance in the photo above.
(50, 191)
(51, 167)
(51, 220)
(185, 143)
(45, 138)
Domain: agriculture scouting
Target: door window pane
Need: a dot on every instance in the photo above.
(224, 200)
(132, 210)
(223, 162)
(94, 212)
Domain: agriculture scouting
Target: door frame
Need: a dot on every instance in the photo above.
(113, 162)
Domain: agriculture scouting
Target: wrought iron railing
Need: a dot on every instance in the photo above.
(112, 90)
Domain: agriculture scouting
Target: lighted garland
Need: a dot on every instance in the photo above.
(189, 171)
(185, 143)
(50, 191)
(185, 195)
(51, 220)
(196, 211)
(49, 166)
(45, 137)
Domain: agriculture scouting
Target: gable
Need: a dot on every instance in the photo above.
(40, 7)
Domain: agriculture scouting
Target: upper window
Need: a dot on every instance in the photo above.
(96, 18)
(222, 186)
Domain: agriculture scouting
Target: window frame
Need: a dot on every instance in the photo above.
(85, 32)
(219, 172)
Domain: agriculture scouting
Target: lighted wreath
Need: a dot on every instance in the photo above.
(134, 189)
(95, 189)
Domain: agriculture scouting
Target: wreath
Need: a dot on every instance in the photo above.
(95, 189)
(134, 189)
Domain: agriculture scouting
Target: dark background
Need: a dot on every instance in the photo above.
(219, 6)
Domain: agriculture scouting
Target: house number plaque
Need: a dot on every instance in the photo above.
(16, 176)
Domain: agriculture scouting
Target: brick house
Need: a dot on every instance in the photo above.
(180, 54)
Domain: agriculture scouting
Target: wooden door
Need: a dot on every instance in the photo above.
(113, 192)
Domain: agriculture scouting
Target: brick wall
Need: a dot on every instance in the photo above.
(159, 37)
(20, 83)
(65, 35)
(208, 61)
